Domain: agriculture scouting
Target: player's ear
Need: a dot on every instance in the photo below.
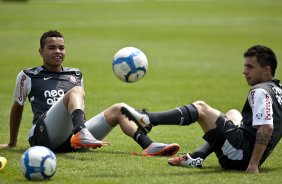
(267, 69)
(40, 50)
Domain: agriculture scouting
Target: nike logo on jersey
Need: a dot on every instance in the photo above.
(47, 78)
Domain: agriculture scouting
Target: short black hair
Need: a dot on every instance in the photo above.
(265, 56)
(50, 33)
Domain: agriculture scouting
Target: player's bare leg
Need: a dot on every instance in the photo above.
(114, 116)
(235, 116)
(74, 101)
(207, 115)
(196, 158)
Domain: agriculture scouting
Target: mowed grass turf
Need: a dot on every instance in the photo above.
(195, 53)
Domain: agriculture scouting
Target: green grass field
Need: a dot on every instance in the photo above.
(195, 52)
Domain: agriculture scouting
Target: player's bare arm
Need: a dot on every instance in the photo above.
(15, 121)
(263, 135)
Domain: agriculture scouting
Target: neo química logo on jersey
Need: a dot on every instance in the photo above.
(53, 96)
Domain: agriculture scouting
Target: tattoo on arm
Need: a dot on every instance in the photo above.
(262, 138)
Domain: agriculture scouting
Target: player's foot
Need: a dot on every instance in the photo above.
(140, 117)
(84, 139)
(160, 149)
(186, 161)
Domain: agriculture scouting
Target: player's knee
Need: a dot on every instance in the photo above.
(202, 107)
(233, 112)
(235, 116)
(116, 108)
(121, 104)
(73, 93)
(207, 115)
(78, 89)
(113, 114)
(204, 110)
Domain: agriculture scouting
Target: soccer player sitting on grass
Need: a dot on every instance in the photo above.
(241, 142)
(56, 95)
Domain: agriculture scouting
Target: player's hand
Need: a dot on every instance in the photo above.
(252, 169)
(4, 145)
(105, 143)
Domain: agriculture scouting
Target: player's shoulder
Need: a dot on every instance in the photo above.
(41, 70)
(270, 87)
(73, 70)
(266, 84)
(33, 70)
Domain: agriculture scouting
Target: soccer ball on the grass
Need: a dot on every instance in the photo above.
(130, 64)
(38, 163)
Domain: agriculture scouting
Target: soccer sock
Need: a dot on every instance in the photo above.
(203, 152)
(143, 140)
(78, 119)
(184, 115)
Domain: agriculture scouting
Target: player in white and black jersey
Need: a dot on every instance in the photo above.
(240, 141)
(56, 95)
(43, 88)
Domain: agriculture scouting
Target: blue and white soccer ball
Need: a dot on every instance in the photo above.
(38, 163)
(130, 64)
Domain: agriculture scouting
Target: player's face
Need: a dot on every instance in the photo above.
(53, 53)
(254, 73)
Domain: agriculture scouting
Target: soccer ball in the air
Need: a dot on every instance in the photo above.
(38, 163)
(130, 64)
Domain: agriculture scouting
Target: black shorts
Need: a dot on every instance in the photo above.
(231, 147)
(40, 138)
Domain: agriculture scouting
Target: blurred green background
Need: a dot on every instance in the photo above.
(195, 51)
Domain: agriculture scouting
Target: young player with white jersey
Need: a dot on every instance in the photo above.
(56, 95)
(240, 141)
